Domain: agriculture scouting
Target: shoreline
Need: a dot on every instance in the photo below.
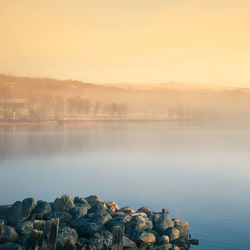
(88, 223)
(92, 121)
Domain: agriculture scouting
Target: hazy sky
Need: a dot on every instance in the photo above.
(195, 41)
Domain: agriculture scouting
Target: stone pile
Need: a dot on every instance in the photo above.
(88, 223)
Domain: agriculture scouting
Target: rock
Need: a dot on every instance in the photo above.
(155, 217)
(102, 218)
(66, 234)
(85, 227)
(10, 246)
(182, 226)
(144, 237)
(69, 245)
(101, 240)
(173, 233)
(78, 222)
(132, 248)
(127, 210)
(23, 239)
(100, 213)
(21, 211)
(25, 227)
(92, 199)
(182, 241)
(82, 243)
(138, 223)
(145, 210)
(112, 206)
(41, 209)
(80, 200)
(194, 242)
(128, 242)
(115, 222)
(89, 228)
(165, 247)
(79, 211)
(164, 239)
(9, 234)
(64, 203)
(163, 223)
(98, 207)
(63, 216)
(119, 214)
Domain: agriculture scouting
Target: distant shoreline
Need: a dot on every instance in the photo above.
(89, 121)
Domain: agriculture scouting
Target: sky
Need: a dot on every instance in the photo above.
(111, 41)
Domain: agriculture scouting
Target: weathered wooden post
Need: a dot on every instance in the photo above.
(1, 228)
(52, 234)
(39, 225)
(34, 240)
(118, 232)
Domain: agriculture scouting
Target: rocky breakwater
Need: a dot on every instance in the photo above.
(88, 223)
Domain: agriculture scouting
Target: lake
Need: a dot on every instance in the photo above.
(200, 173)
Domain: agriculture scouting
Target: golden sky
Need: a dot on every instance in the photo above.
(102, 41)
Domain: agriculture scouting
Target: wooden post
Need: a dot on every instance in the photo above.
(1, 228)
(34, 240)
(53, 234)
(39, 225)
(118, 232)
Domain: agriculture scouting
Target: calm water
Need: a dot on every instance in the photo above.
(201, 174)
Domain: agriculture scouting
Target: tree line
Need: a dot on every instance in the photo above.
(57, 107)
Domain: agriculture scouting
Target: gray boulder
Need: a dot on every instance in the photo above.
(66, 234)
(78, 222)
(182, 226)
(9, 234)
(21, 211)
(23, 239)
(99, 213)
(10, 246)
(145, 210)
(127, 210)
(155, 217)
(80, 201)
(101, 240)
(164, 239)
(163, 223)
(128, 243)
(64, 203)
(79, 211)
(173, 233)
(167, 246)
(63, 216)
(182, 242)
(144, 237)
(90, 228)
(138, 223)
(25, 227)
(117, 221)
(41, 209)
(85, 227)
(92, 199)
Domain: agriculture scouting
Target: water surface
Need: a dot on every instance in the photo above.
(200, 173)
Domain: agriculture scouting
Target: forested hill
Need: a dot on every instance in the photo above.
(167, 100)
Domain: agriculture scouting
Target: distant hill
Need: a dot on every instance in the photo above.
(151, 99)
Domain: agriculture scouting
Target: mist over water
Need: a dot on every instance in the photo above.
(200, 173)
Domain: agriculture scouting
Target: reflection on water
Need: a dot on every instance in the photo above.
(200, 174)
